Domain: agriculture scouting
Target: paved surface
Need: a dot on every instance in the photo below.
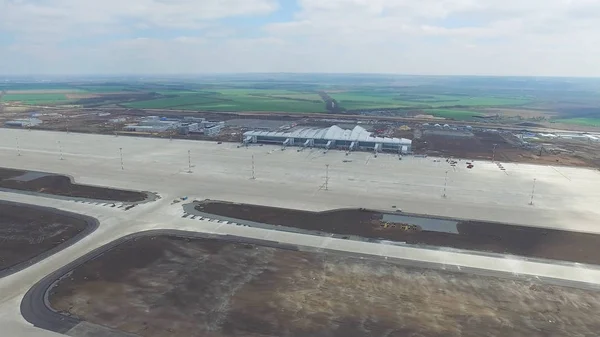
(565, 198)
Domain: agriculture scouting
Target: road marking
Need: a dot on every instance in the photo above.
(560, 173)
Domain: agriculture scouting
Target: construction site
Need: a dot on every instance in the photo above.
(486, 141)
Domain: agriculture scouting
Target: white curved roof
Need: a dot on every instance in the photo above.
(332, 133)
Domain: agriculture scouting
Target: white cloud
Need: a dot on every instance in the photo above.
(500, 37)
(69, 17)
(533, 37)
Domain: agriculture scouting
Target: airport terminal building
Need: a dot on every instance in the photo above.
(333, 137)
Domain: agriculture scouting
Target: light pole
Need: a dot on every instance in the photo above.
(121, 153)
(494, 153)
(532, 191)
(18, 148)
(253, 169)
(445, 184)
(327, 177)
(189, 161)
(60, 149)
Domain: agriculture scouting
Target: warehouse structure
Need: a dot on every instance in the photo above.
(330, 138)
(185, 126)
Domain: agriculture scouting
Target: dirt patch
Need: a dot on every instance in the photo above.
(26, 232)
(418, 230)
(479, 146)
(62, 185)
(161, 285)
(494, 145)
(551, 159)
(81, 96)
(421, 116)
(519, 112)
(13, 109)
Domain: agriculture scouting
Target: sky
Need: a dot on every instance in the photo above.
(429, 37)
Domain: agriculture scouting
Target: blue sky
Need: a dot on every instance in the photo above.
(483, 37)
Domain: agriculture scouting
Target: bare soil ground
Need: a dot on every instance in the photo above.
(26, 232)
(481, 146)
(583, 150)
(470, 235)
(518, 112)
(62, 185)
(81, 95)
(173, 286)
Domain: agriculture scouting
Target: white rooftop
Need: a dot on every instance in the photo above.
(332, 133)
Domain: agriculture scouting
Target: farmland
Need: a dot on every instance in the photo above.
(224, 96)
(236, 100)
(36, 98)
(353, 100)
(579, 121)
(502, 99)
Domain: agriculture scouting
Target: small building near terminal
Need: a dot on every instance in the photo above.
(333, 137)
(185, 126)
(23, 123)
(203, 127)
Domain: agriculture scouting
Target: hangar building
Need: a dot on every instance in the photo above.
(330, 138)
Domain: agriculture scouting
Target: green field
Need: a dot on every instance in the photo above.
(357, 100)
(250, 99)
(178, 102)
(36, 99)
(106, 88)
(301, 96)
(579, 121)
(574, 101)
(36, 86)
(236, 100)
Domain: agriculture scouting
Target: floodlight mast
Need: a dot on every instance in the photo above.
(18, 147)
(532, 191)
(327, 177)
(445, 184)
(60, 150)
(121, 153)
